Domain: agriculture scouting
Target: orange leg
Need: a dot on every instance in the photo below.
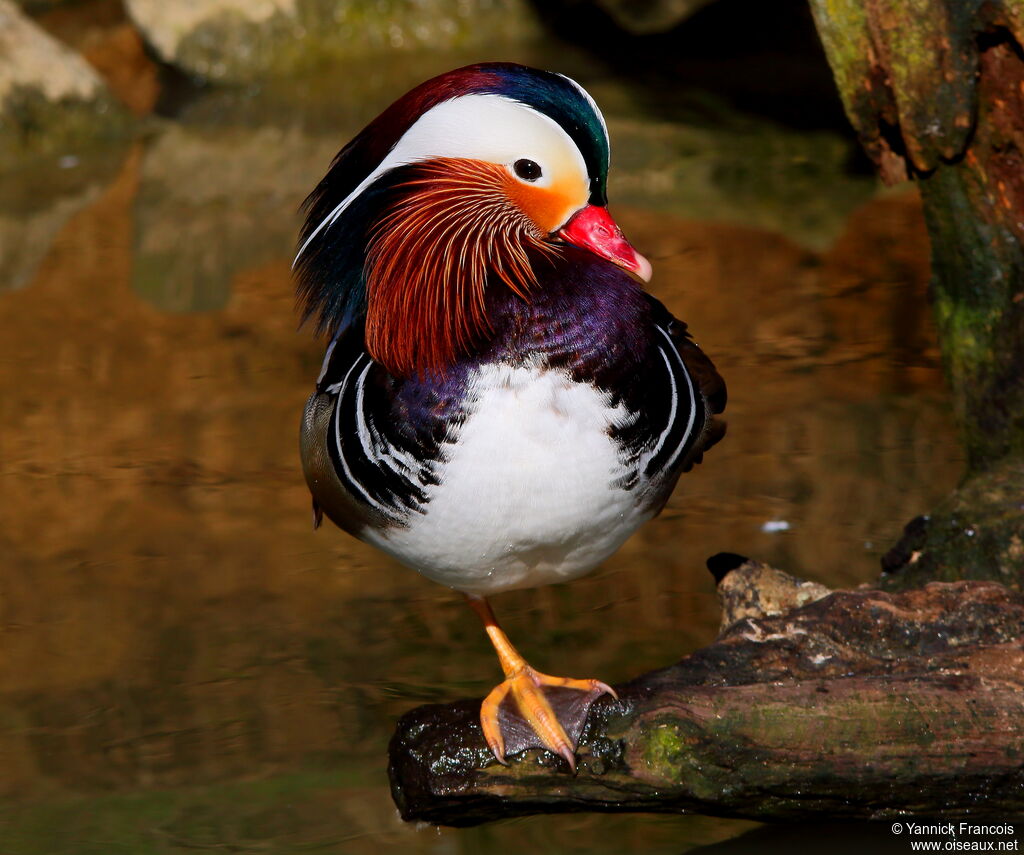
(524, 685)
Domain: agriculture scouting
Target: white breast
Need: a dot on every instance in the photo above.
(528, 495)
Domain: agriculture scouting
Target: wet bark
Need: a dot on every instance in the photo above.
(847, 704)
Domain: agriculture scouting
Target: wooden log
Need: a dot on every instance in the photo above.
(846, 704)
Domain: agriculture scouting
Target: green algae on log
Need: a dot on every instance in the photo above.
(849, 704)
(935, 91)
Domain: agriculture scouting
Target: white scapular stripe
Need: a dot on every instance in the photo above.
(375, 447)
(351, 479)
(663, 437)
(361, 426)
(693, 402)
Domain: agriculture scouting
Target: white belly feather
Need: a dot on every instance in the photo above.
(528, 495)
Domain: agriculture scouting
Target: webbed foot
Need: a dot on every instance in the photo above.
(545, 712)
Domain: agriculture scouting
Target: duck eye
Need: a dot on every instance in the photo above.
(528, 170)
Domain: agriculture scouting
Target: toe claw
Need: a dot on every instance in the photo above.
(489, 722)
(494, 742)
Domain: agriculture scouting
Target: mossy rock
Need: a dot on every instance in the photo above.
(51, 100)
(234, 41)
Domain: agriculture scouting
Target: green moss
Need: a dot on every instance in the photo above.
(968, 330)
(664, 749)
(931, 63)
(977, 266)
(840, 723)
(741, 747)
(928, 85)
(677, 752)
(843, 27)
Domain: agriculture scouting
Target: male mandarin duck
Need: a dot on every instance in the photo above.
(501, 404)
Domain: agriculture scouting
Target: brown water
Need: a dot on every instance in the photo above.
(185, 664)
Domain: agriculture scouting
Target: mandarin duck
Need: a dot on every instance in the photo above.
(501, 404)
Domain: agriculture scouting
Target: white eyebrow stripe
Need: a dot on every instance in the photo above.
(340, 208)
(481, 126)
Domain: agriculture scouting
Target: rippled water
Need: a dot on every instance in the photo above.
(187, 665)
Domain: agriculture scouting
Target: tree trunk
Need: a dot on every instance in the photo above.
(935, 91)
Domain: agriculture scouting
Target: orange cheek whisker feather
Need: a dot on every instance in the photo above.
(429, 260)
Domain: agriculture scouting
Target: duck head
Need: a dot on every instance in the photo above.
(464, 183)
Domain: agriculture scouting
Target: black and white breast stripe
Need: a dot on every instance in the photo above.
(373, 465)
